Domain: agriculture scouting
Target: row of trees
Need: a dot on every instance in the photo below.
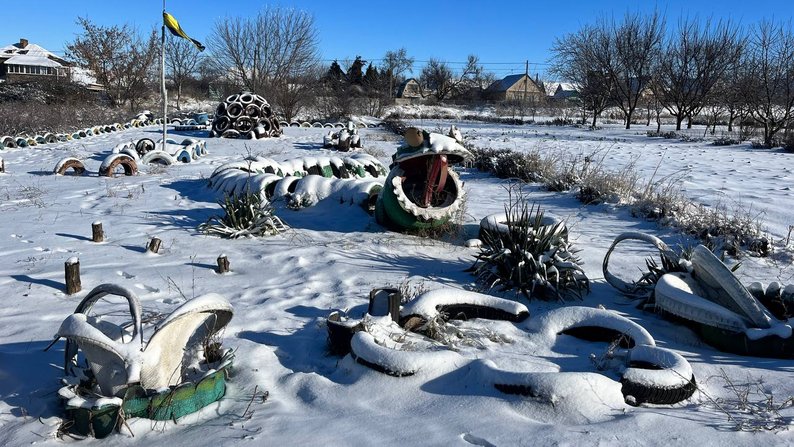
(273, 53)
(701, 67)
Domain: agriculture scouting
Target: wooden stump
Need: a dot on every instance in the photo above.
(72, 269)
(223, 264)
(154, 245)
(385, 301)
(97, 234)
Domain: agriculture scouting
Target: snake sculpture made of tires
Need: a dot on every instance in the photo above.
(301, 182)
(422, 191)
(647, 373)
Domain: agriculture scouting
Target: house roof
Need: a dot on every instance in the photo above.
(505, 83)
(36, 61)
(30, 50)
(404, 85)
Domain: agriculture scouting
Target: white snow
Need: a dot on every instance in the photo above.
(285, 286)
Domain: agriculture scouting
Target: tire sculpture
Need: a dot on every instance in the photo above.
(343, 140)
(648, 373)
(705, 294)
(302, 182)
(245, 115)
(422, 191)
(172, 374)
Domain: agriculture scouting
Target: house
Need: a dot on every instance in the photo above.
(27, 61)
(410, 89)
(564, 91)
(514, 87)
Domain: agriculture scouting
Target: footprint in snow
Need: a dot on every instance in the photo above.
(476, 440)
(125, 274)
(147, 288)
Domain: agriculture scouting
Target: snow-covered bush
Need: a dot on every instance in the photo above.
(245, 215)
(531, 257)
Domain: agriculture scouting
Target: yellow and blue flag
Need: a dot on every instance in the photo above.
(173, 26)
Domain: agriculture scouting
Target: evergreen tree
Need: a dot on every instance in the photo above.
(334, 75)
(355, 75)
(372, 78)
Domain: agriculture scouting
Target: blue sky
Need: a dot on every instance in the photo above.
(503, 34)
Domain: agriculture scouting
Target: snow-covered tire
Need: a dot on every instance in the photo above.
(109, 165)
(8, 142)
(621, 285)
(383, 354)
(64, 165)
(463, 305)
(143, 146)
(722, 287)
(159, 157)
(234, 110)
(591, 324)
(497, 224)
(657, 376)
(231, 133)
(184, 156)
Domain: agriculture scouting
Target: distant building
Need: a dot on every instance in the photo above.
(25, 61)
(563, 91)
(410, 89)
(514, 87)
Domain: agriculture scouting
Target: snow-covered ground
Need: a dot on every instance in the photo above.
(283, 287)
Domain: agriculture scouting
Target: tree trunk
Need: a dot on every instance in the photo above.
(178, 95)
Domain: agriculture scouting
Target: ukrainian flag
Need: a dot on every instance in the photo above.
(173, 26)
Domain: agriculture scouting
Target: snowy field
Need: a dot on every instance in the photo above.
(283, 288)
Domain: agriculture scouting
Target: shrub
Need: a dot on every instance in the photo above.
(530, 257)
(245, 215)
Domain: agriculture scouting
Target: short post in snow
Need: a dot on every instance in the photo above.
(223, 264)
(154, 245)
(385, 301)
(97, 233)
(72, 268)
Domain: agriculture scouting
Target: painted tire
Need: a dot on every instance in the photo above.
(69, 163)
(109, 165)
(721, 286)
(395, 210)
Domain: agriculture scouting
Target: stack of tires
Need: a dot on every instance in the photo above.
(245, 115)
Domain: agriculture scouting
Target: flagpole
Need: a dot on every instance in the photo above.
(163, 92)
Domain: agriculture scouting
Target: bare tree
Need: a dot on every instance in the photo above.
(264, 51)
(625, 53)
(577, 58)
(120, 59)
(182, 61)
(438, 78)
(395, 63)
(770, 81)
(291, 96)
(695, 59)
